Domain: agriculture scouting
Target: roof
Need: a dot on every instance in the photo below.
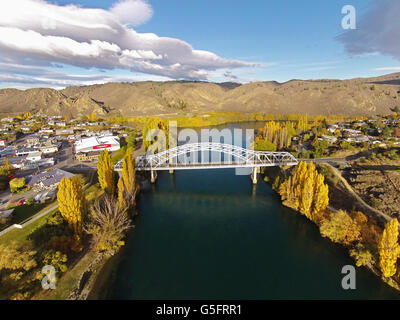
(49, 178)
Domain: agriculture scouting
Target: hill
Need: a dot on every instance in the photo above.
(360, 96)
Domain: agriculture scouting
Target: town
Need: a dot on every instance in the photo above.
(38, 151)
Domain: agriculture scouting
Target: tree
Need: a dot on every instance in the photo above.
(16, 259)
(341, 228)
(56, 259)
(306, 191)
(389, 248)
(107, 225)
(156, 135)
(105, 171)
(362, 256)
(72, 203)
(122, 203)
(127, 186)
(6, 168)
(386, 131)
(17, 184)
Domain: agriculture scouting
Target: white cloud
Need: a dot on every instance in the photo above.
(389, 69)
(377, 31)
(132, 12)
(36, 32)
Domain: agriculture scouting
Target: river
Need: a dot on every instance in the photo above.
(211, 234)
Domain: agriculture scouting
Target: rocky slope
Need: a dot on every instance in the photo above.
(361, 96)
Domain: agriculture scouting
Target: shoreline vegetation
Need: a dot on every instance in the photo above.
(371, 240)
(85, 246)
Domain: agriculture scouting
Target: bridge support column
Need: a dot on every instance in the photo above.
(171, 171)
(153, 176)
(254, 175)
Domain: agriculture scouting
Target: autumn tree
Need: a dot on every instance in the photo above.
(105, 171)
(107, 225)
(16, 259)
(156, 135)
(306, 191)
(389, 248)
(17, 184)
(127, 186)
(72, 203)
(341, 228)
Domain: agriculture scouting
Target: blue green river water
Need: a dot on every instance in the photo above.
(211, 234)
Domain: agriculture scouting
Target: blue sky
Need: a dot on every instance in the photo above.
(258, 40)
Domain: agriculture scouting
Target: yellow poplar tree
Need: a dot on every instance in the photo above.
(121, 195)
(306, 191)
(129, 178)
(321, 197)
(389, 248)
(72, 203)
(105, 171)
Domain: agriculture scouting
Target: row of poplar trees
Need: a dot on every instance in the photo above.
(127, 186)
(71, 197)
(305, 191)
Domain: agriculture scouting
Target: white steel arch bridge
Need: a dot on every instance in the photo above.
(197, 156)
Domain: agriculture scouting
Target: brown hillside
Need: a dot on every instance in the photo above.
(361, 96)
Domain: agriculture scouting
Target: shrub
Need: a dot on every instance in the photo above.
(341, 228)
(17, 184)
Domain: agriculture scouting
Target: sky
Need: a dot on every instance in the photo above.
(61, 43)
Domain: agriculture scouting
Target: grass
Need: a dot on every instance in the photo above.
(20, 235)
(22, 213)
(68, 281)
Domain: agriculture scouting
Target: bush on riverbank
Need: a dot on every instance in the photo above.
(361, 235)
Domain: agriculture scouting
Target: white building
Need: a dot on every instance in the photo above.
(111, 143)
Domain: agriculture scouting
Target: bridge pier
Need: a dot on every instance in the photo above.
(153, 176)
(254, 174)
(171, 171)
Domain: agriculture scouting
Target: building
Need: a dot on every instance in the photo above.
(330, 139)
(48, 179)
(88, 156)
(66, 132)
(111, 143)
(48, 149)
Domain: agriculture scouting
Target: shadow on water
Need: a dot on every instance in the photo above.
(207, 234)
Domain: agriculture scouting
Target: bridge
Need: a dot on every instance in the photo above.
(186, 157)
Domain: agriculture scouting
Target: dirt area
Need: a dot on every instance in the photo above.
(378, 184)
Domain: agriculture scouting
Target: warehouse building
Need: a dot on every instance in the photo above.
(111, 143)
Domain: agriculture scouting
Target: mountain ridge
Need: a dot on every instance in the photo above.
(358, 96)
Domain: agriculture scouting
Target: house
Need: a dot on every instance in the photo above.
(49, 179)
(3, 142)
(330, 139)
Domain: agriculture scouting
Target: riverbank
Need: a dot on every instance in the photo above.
(339, 187)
